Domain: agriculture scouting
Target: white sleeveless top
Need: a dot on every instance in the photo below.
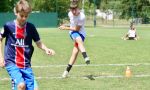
(77, 21)
(131, 33)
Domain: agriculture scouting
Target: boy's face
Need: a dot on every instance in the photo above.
(74, 11)
(22, 17)
(133, 27)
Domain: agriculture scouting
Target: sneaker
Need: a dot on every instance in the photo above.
(65, 74)
(87, 60)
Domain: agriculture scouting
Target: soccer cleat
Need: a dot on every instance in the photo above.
(87, 60)
(65, 74)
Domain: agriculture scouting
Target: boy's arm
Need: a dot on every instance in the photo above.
(44, 48)
(2, 63)
(63, 27)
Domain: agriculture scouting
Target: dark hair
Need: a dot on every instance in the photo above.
(131, 25)
(73, 5)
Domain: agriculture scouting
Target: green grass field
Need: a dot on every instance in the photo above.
(110, 55)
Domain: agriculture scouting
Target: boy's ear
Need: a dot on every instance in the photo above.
(15, 12)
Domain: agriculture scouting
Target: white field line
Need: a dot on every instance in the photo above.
(84, 77)
(94, 65)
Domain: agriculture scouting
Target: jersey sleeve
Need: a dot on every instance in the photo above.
(3, 32)
(35, 34)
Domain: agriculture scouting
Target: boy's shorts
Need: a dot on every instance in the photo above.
(76, 34)
(21, 75)
(15, 88)
(131, 38)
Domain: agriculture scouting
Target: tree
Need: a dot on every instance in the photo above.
(7, 5)
(4, 7)
(96, 2)
(59, 6)
(134, 8)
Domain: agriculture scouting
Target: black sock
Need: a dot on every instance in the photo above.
(84, 55)
(69, 67)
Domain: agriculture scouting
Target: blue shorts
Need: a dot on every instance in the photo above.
(76, 34)
(21, 75)
(15, 88)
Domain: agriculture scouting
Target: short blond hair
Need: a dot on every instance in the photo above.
(22, 6)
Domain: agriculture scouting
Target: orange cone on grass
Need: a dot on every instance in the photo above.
(128, 72)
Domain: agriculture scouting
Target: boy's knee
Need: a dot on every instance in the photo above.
(21, 86)
(79, 41)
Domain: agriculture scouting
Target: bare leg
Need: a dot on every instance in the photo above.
(126, 37)
(80, 44)
(21, 86)
(75, 51)
(74, 55)
(73, 58)
(82, 49)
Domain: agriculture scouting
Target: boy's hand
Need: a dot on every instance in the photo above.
(62, 27)
(50, 51)
(2, 63)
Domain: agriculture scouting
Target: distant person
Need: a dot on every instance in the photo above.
(77, 34)
(131, 35)
(18, 47)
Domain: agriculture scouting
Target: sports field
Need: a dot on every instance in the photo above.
(110, 55)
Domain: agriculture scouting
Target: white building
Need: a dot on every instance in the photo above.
(105, 15)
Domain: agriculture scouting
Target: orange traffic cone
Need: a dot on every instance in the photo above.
(128, 72)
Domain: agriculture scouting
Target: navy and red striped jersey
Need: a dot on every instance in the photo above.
(18, 43)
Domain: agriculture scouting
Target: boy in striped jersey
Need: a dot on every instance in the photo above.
(18, 47)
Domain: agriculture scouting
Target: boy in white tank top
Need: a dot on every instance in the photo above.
(77, 34)
(131, 35)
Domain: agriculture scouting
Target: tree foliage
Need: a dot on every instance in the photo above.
(60, 6)
(7, 5)
(96, 2)
(3, 6)
(134, 8)
(126, 8)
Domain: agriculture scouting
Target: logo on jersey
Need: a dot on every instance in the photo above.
(20, 43)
